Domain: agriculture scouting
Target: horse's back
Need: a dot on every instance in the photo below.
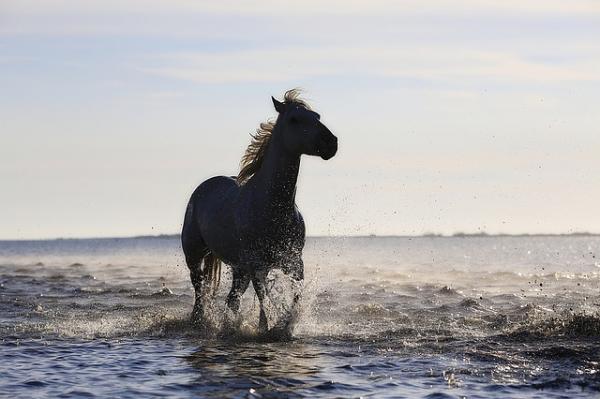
(209, 218)
(209, 198)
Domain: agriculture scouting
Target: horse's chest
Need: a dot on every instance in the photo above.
(273, 248)
(269, 237)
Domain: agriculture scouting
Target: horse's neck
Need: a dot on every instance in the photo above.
(278, 176)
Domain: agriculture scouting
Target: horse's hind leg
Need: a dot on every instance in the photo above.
(197, 278)
(259, 281)
(194, 255)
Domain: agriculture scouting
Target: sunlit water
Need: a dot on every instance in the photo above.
(381, 317)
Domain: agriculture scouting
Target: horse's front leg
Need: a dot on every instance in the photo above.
(239, 285)
(259, 281)
(295, 270)
(297, 274)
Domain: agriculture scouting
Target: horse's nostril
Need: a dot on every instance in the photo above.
(332, 141)
(328, 138)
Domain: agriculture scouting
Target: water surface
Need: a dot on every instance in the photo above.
(381, 317)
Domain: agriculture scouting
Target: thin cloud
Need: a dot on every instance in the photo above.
(180, 17)
(419, 63)
(306, 7)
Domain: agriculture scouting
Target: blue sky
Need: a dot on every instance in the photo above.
(452, 116)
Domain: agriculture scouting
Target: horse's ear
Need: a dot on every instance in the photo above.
(279, 106)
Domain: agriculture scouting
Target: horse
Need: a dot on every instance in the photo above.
(250, 221)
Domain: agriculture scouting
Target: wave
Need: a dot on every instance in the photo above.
(580, 325)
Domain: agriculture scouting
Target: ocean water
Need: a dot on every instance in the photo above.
(382, 317)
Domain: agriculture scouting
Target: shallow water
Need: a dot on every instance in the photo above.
(381, 317)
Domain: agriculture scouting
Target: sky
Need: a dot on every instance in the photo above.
(452, 116)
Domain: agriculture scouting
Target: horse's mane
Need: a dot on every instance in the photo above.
(255, 153)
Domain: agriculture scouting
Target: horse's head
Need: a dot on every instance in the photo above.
(302, 131)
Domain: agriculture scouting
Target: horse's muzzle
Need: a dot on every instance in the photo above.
(328, 145)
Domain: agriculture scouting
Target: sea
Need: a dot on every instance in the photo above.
(380, 317)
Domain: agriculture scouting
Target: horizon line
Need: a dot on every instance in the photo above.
(423, 235)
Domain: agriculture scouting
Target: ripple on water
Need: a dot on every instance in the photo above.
(390, 331)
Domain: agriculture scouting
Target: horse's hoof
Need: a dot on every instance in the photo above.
(199, 325)
(280, 333)
(263, 325)
(196, 318)
(263, 329)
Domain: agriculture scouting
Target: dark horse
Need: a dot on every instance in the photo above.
(251, 222)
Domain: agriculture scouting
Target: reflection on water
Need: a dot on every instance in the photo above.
(252, 367)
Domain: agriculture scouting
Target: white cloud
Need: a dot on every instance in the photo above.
(306, 7)
(408, 62)
(171, 17)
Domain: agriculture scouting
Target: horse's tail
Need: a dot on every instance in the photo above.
(212, 271)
